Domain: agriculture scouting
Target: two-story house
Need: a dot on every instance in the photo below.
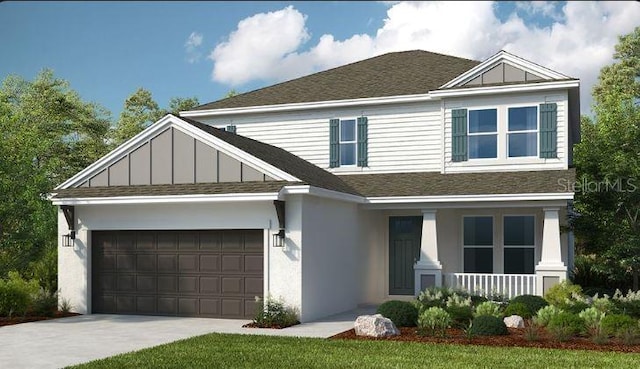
(359, 184)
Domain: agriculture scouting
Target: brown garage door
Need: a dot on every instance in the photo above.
(182, 273)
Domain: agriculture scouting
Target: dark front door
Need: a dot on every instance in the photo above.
(404, 249)
(205, 273)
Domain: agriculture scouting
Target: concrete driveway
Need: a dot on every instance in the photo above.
(68, 341)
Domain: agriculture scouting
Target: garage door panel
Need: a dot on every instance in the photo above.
(177, 273)
(250, 307)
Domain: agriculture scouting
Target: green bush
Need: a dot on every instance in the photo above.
(435, 297)
(401, 313)
(617, 324)
(487, 325)
(477, 300)
(629, 304)
(532, 302)
(434, 321)
(16, 294)
(45, 303)
(45, 269)
(488, 308)
(461, 315)
(565, 325)
(561, 292)
(274, 314)
(592, 318)
(517, 308)
(545, 314)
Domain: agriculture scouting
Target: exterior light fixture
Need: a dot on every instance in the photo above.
(278, 238)
(67, 239)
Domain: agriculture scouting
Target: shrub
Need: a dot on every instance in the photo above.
(487, 325)
(436, 296)
(565, 325)
(45, 303)
(477, 300)
(558, 294)
(592, 318)
(532, 302)
(616, 324)
(629, 304)
(274, 314)
(460, 315)
(603, 304)
(16, 294)
(517, 308)
(545, 314)
(401, 313)
(45, 269)
(65, 305)
(532, 331)
(488, 308)
(434, 320)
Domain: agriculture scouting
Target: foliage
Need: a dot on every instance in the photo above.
(272, 313)
(532, 331)
(461, 315)
(435, 296)
(16, 294)
(140, 110)
(608, 167)
(532, 302)
(488, 308)
(178, 104)
(517, 308)
(592, 318)
(565, 325)
(401, 313)
(547, 313)
(65, 305)
(45, 303)
(616, 324)
(603, 304)
(487, 325)
(629, 304)
(45, 269)
(561, 292)
(434, 321)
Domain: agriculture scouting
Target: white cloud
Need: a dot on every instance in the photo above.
(192, 47)
(544, 8)
(579, 42)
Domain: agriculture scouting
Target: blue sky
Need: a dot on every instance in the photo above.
(106, 50)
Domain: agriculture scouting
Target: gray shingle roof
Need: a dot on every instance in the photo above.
(437, 184)
(392, 74)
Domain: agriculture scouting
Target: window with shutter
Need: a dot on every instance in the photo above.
(459, 134)
(548, 130)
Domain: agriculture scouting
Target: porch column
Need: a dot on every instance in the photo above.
(428, 270)
(551, 270)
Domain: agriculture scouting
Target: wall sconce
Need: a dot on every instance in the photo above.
(67, 239)
(278, 238)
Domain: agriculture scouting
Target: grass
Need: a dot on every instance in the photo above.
(246, 351)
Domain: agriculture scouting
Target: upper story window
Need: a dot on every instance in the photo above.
(483, 134)
(522, 131)
(348, 142)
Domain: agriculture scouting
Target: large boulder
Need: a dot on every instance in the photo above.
(375, 326)
(514, 321)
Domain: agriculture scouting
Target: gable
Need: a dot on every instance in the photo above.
(503, 73)
(172, 152)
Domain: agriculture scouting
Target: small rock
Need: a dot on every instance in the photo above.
(375, 326)
(514, 321)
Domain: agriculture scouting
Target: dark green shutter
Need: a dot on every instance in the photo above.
(459, 135)
(549, 130)
(362, 142)
(334, 143)
(231, 128)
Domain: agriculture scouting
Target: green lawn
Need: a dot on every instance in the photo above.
(245, 351)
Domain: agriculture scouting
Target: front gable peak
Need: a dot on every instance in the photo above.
(504, 68)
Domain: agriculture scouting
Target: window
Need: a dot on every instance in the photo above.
(348, 142)
(483, 134)
(519, 244)
(478, 244)
(523, 132)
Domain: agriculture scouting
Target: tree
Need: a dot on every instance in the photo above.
(231, 93)
(178, 104)
(47, 134)
(140, 110)
(608, 165)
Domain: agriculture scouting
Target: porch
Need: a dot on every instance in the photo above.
(484, 284)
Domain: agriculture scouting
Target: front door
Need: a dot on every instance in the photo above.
(405, 234)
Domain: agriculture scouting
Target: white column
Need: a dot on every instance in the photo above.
(551, 269)
(428, 267)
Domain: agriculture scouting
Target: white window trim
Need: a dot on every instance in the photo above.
(355, 142)
(495, 133)
(536, 131)
(493, 237)
(535, 238)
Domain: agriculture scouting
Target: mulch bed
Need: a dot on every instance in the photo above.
(515, 338)
(25, 319)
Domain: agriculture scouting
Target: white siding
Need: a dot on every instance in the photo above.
(502, 103)
(402, 138)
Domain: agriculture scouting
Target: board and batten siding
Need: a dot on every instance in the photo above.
(502, 103)
(401, 138)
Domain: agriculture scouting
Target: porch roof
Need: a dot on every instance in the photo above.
(484, 183)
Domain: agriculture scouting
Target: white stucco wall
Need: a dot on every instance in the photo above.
(74, 263)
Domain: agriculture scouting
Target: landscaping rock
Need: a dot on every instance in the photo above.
(375, 326)
(514, 321)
